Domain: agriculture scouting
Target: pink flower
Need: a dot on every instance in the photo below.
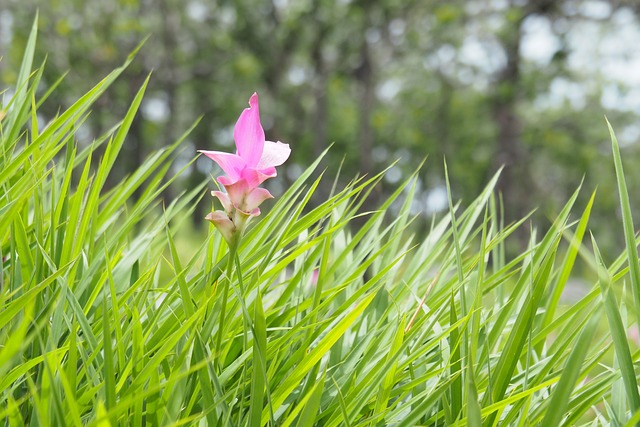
(255, 161)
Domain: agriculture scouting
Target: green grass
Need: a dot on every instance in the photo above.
(107, 317)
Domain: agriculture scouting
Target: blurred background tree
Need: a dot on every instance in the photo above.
(484, 83)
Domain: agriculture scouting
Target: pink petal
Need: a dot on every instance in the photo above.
(255, 199)
(248, 133)
(273, 154)
(246, 198)
(255, 177)
(237, 192)
(231, 164)
(225, 180)
(224, 225)
(224, 199)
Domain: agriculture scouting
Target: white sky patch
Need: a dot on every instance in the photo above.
(227, 16)
(436, 200)
(293, 171)
(372, 35)
(197, 11)
(480, 7)
(223, 137)
(389, 89)
(393, 175)
(297, 75)
(539, 44)
(403, 155)
(203, 164)
(155, 108)
(561, 90)
(603, 55)
(186, 154)
(629, 135)
(276, 187)
(267, 123)
(6, 27)
(281, 4)
(380, 154)
(610, 96)
(614, 99)
(595, 9)
(482, 54)
(397, 28)
(612, 51)
(83, 133)
(6, 97)
(446, 54)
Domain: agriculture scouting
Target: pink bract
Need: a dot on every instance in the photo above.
(255, 158)
(254, 161)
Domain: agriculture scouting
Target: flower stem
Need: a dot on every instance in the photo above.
(233, 246)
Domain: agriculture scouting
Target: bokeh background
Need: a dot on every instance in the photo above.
(482, 83)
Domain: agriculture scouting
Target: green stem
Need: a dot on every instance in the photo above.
(246, 321)
(233, 246)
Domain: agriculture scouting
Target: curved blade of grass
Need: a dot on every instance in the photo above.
(382, 398)
(311, 407)
(18, 113)
(570, 373)
(567, 264)
(618, 333)
(259, 374)
(109, 371)
(627, 223)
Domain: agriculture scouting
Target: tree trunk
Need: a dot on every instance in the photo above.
(365, 131)
(320, 114)
(514, 184)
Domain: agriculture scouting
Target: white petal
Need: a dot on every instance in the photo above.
(273, 154)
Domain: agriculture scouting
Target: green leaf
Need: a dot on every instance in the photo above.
(312, 405)
(18, 114)
(618, 332)
(387, 384)
(627, 222)
(109, 371)
(259, 363)
(556, 408)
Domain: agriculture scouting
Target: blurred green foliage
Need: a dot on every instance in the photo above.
(382, 80)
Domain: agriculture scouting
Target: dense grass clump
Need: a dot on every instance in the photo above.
(104, 322)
